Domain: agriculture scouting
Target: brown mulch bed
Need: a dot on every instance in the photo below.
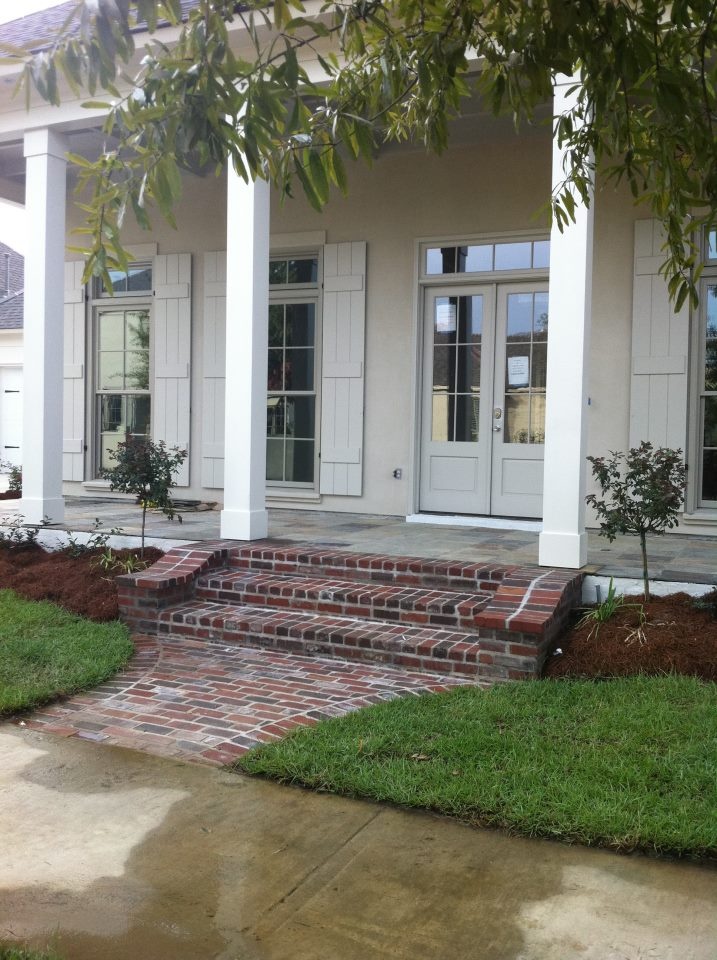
(79, 584)
(10, 495)
(678, 636)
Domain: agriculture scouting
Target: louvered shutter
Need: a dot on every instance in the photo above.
(342, 372)
(73, 407)
(213, 353)
(172, 351)
(660, 338)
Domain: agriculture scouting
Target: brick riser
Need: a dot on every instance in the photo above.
(512, 613)
(416, 648)
(369, 601)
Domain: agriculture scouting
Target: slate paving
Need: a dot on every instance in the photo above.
(208, 703)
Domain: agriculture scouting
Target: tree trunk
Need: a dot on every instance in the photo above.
(645, 575)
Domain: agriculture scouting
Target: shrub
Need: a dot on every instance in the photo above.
(146, 470)
(645, 490)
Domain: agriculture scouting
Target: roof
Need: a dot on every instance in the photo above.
(36, 30)
(12, 302)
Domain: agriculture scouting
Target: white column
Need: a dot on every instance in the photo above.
(244, 516)
(563, 542)
(45, 187)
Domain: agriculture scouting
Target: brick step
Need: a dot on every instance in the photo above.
(459, 575)
(417, 648)
(372, 601)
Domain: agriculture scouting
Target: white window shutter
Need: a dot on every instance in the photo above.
(342, 371)
(660, 339)
(172, 338)
(73, 407)
(213, 353)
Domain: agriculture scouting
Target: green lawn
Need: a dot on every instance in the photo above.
(628, 764)
(46, 652)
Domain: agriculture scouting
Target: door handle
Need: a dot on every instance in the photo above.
(497, 429)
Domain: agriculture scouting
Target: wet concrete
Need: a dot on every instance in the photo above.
(108, 853)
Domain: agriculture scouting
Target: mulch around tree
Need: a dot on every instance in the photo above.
(10, 495)
(679, 635)
(79, 584)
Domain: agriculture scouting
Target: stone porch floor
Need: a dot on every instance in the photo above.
(674, 557)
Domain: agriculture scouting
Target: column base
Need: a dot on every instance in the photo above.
(244, 524)
(39, 510)
(563, 550)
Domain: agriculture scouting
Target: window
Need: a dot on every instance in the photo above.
(291, 372)
(525, 373)
(122, 378)
(707, 398)
(136, 280)
(488, 257)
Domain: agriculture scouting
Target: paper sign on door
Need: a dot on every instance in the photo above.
(445, 317)
(518, 371)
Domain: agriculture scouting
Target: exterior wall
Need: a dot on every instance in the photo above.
(493, 187)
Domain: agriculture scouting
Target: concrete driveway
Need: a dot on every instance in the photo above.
(108, 853)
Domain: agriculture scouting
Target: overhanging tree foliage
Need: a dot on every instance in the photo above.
(390, 70)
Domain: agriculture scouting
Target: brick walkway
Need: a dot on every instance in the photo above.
(209, 703)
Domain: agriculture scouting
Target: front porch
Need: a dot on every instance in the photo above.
(674, 557)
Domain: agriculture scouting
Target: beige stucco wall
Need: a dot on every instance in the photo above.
(494, 186)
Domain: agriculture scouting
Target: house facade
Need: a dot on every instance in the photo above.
(11, 386)
(426, 345)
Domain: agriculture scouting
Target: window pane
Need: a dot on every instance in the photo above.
(299, 369)
(513, 256)
(111, 374)
(119, 281)
(711, 365)
(442, 420)
(138, 422)
(303, 271)
(300, 324)
(520, 316)
(541, 254)
(274, 459)
(710, 434)
(120, 418)
(139, 278)
(111, 331)
(275, 416)
(711, 330)
(712, 245)
(300, 417)
(467, 409)
(470, 319)
(275, 372)
(299, 461)
(540, 316)
(137, 371)
(137, 329)
(277, 271)
(477, 258)
(709, 475)
(276, 325)
(441, 260)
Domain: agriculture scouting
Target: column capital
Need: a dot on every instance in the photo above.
(45, 143)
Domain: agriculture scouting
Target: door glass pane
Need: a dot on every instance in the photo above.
(467, 410)
(525, 367)
(470, 319)
(442, 420)
(456, 368)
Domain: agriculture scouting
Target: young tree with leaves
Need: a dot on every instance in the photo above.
(392, 70)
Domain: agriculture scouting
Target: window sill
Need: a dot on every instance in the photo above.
(699, 516)
(275, 495)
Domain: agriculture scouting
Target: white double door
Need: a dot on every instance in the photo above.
(483, 399)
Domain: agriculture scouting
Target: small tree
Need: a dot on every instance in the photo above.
(645, 488)
(147, 470)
